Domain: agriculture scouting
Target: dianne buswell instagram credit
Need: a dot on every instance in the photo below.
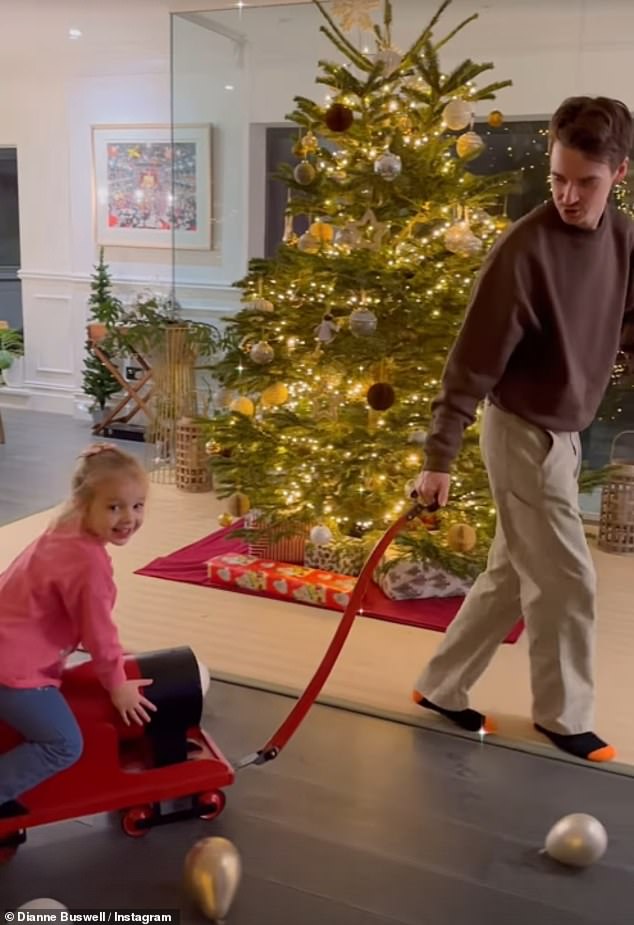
(85, 916)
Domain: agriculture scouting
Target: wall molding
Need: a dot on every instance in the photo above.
(144, 281)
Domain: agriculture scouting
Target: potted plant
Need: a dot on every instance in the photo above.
(105, 311)
(11, 353)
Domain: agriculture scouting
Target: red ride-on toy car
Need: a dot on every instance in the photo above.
(134, 769)
(137, 769)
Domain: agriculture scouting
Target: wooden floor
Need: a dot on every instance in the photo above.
(277, 645)
(359, 821)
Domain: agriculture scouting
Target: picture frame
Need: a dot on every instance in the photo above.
(152, 186)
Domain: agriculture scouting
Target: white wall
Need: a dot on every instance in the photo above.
(52, 91)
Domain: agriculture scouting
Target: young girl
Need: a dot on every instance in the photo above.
(59, 593)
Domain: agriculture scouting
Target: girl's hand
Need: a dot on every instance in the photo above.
(130, 702)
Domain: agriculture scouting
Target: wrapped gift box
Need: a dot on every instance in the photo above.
(281, 580)
(402, 578)
(345, 556)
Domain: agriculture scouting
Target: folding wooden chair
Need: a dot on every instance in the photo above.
(137, 393)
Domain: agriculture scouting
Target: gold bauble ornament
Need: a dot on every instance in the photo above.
(310, 143)
(462, 537)
(457, 115)
(495, 118)
(403, 123)
(304, 173)
(273, 395)
(322, 232)
(225, 519)
(212, 874)
(212, 448)
(308, 243)
(469, 145)
(243, 405)
(238, 504)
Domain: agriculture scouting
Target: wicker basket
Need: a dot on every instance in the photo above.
(616, 525)
(193, 472)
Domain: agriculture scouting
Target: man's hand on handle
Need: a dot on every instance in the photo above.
(433, 486)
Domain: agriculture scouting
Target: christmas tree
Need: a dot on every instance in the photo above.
(332, 363)
(98, 381)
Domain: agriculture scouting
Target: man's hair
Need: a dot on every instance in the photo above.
(598, 127)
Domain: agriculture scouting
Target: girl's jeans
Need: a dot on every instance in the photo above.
(52, 739)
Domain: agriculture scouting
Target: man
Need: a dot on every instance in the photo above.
(553, 303)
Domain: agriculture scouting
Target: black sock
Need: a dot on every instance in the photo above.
(467, 719)
(12, 808)
(582, 745)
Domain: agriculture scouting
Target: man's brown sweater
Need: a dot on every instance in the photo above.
(551, 308)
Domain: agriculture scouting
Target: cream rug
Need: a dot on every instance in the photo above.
(277, 646)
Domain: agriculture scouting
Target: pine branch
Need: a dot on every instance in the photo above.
(387, 20)
(339, 40)
(410, 56)
(490, 91)
(465, 72)
(455, 31)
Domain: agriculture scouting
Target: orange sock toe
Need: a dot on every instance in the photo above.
(607, 753)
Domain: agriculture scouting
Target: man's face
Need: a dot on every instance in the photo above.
(581, 187)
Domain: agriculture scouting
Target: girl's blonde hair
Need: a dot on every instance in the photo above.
(98, 462)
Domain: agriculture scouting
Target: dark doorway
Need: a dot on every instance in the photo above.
(10, 289)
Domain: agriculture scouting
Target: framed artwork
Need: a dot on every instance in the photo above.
(152, 185)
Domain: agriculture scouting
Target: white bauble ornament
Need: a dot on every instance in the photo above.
(457, 115)
(460, 239)
(320, 536)
(262, 353)
(389, 58)
(259, 305)
(348, 236)
(363, 322)
(577, 840)
(388, 166)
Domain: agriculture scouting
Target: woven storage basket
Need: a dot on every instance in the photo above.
(616, 525)
(193, 472)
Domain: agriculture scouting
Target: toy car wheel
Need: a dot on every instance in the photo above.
(134, 822)
(211, 804)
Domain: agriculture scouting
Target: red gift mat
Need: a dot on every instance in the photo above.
(189, 565)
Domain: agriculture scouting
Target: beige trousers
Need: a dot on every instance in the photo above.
(540, 567)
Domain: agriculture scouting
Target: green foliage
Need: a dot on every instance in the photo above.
(104, 307)
(98, 382)
(142, 327)
(12, 342)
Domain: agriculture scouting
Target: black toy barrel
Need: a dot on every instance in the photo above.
(177, 693)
